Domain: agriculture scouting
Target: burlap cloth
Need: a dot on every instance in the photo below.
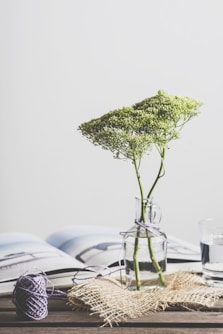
(107, 298)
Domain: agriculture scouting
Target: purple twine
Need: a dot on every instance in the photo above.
(152, 227)
(30, 296)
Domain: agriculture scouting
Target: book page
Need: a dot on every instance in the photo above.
(93, 246)
(22, 252)
(104, 246)
(178, 249)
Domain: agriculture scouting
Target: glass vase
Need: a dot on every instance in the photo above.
(145, 248)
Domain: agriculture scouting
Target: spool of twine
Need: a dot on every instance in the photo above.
(30, 297)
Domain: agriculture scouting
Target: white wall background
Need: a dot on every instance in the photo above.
(63, 62)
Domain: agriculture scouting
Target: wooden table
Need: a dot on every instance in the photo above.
(61, 319)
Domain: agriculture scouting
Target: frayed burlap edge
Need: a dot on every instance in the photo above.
(106, 297)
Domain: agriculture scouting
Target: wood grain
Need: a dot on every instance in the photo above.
(61, 319)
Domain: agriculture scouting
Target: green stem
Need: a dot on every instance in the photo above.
(136, 246)
(156, 265)
(142, 218)
(154, 261)
(136, 262)
(162, 152)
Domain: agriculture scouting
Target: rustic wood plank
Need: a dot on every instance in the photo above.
(106, 330)
(61, 319)
(79, 319)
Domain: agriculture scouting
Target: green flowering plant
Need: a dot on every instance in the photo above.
(132, 132)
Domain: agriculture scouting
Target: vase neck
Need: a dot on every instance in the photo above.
(148, 212)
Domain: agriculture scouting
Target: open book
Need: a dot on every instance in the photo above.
(73, 254)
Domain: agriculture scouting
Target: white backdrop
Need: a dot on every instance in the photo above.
(64, 62)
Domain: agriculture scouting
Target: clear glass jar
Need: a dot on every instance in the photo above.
(145, 248)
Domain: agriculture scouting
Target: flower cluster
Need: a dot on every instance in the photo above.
(132, 132)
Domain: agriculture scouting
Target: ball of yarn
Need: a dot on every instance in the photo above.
(30, 297)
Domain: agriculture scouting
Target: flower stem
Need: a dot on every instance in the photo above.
(136, 246)
(162, 152)
(156, 265)
(154, 261)
(136, 262)
(142, 218)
